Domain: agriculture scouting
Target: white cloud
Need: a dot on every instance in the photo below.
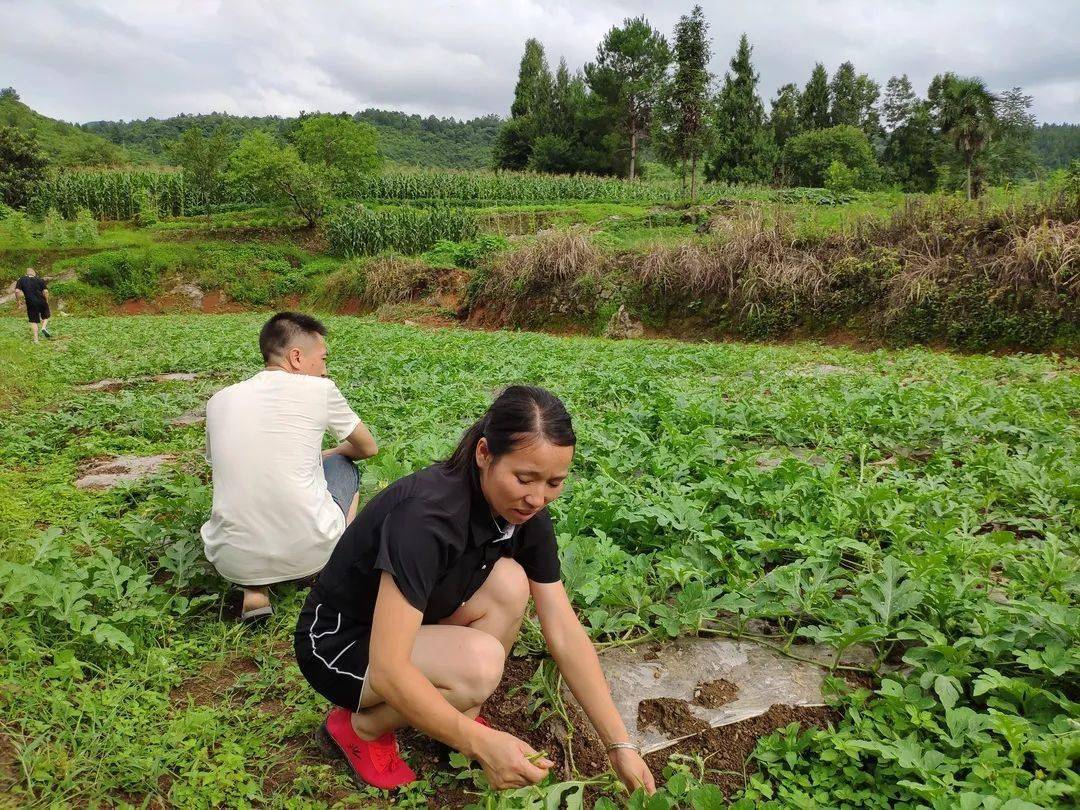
(106, 59)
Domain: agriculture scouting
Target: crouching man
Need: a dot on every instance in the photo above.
(281, 502)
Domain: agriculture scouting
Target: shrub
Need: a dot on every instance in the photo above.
(146, 208)
(807, 156)
(251, 275)
(840, 178)
(85, 229)
(468, 254)
(56, 232)
(18, 228)
(131, 273)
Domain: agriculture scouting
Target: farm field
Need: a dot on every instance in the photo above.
(584, 255)
(923, 506)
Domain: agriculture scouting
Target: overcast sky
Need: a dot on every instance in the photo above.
(121, 59)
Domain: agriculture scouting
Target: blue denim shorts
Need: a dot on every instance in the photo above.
(342, 479)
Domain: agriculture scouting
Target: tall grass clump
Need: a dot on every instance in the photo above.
(560, 264)
(357, 230)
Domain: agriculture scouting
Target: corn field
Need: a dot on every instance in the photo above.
(360, 231)
(114, 194)
(506, 187)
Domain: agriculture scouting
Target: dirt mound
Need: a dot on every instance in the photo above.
(714, 694)
(671, 716)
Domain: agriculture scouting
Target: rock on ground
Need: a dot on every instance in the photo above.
(110, 472)
(622, 326)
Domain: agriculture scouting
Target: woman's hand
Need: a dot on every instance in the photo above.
(632, 770)
(509, 762)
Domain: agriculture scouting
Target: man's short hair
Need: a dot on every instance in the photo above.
(281, 331)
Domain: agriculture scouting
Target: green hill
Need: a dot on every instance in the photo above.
(64, 144)
(1056, 145)
(404, 139)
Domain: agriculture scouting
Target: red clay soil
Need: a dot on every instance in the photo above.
(215, 303)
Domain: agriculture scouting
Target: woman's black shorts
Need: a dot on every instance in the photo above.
(332, 652)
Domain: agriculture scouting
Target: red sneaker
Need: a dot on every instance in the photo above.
(482, 721)
(377, 762)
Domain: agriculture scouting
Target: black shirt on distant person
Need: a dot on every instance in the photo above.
(33, 287)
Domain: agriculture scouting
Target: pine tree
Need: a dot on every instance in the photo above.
(514, 142)
(899, 102)
(683, 123)
(814, 102)
(844, 97)
(626, 77)
(744, 149)
(784, 118)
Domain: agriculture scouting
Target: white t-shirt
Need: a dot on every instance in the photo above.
(273, 518)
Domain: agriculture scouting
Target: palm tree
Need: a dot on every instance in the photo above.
(966, 110)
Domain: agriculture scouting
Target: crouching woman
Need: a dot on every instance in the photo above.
(412, 619)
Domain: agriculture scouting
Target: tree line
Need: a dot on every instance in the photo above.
(843, 131)
(403, 138)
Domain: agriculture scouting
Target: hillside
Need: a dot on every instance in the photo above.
(1056, 145)
(404, 139)
(64, 144)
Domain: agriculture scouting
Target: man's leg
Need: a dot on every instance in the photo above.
(45, 327)
(463, 656)
(343, 481)
(255, 597)
(34, 330)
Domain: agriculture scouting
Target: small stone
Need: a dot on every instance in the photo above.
(110, 472)
(623, 327)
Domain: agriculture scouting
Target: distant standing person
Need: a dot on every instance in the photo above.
(35, 293)
(281, 502)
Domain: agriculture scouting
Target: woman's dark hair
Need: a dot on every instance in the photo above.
(520, 414)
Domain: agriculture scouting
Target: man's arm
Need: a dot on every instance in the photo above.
(359, 444)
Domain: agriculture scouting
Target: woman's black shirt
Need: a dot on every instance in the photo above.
(434, 532)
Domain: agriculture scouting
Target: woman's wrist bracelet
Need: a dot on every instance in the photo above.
(616, 745)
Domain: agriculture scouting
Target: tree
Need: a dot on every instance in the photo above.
(867, 93)
(808, 156)
(899, 102)
(965, 114)
(684, 125)
(626, 76)
(514, 142)
(276, 175)
(814, 102)
(844, 97)
(743, 149)
(785, 114)
(22, 164)
(1011, 155)
(204, 161)
(911, 144)
(340, 145)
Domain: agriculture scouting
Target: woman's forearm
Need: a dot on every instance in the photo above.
(406, 689)
(576, 657)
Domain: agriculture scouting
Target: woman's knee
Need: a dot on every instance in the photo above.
(484, 658)
(509, 585)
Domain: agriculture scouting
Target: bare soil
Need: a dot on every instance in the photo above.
(714, 694)
(726, 750)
